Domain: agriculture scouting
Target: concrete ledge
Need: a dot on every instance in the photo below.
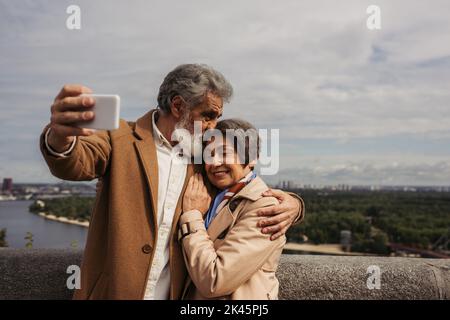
(41, 274)
(36, 273)
(344, 277)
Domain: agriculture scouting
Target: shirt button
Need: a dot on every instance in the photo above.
(147, 249)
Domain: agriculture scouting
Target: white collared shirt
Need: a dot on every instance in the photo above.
(171, 176)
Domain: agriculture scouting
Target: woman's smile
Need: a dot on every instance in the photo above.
(220, 173)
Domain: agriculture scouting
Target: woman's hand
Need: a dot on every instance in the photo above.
(196, 196)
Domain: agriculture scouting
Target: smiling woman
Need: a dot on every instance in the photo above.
(216, 238)
(233, 156)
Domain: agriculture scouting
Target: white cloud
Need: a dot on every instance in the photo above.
(310, 68)
(363, 173)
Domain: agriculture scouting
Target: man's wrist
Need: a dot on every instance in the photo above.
(54, 152)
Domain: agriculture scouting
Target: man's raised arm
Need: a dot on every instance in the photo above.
(74, 153)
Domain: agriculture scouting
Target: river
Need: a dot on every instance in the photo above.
(15, 217)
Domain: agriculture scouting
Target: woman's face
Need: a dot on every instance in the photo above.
(225, 171)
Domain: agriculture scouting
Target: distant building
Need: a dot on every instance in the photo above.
(7, 185)
(346, 240)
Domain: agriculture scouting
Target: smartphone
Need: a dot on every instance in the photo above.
(106, 112)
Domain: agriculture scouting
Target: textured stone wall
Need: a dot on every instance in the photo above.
(41, 274)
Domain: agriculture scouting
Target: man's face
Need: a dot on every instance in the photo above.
(208, 112)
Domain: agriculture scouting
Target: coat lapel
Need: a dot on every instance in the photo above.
(225, 217)
(189, 172)
(177, 268)
(220, 223)
(146, 150)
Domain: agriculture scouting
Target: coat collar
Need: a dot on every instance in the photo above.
(144, 126)
(253, 191)
(224, 218)
(146, 150)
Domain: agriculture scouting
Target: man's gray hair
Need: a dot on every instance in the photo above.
(192, 82)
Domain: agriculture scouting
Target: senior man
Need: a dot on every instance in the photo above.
(132, 249)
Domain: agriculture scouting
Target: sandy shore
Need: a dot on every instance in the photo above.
(64, 220)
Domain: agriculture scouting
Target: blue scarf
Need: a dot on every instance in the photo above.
(223, 197)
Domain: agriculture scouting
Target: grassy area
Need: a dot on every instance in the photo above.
(418, 219)
(76, 208)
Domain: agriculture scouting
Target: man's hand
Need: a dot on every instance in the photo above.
(196, 195)
(67, 109)
(278, 218)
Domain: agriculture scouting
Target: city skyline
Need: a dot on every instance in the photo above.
(288, 184)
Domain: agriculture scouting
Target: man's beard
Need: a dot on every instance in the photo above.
(188, 142)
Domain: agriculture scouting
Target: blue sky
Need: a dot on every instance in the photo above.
(352, 105)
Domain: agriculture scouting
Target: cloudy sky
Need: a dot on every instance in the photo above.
(352, 105)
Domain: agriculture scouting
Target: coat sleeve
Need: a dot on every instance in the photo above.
(243, 251)
(88, 160)
(301, 211)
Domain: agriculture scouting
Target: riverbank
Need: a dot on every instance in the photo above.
(16, 218)
(64, 219)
